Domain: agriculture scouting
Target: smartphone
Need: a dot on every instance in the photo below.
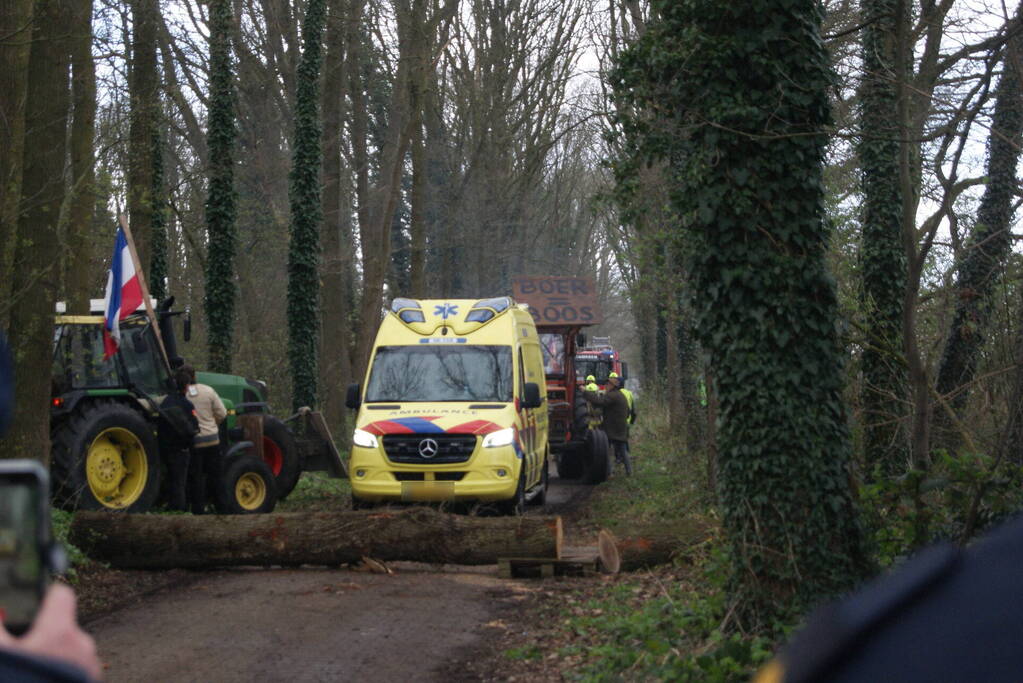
(28, 555)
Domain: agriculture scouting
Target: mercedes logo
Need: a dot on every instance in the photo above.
(428, 448)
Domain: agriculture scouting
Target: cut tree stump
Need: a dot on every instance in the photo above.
(317, 538)
(649, 546)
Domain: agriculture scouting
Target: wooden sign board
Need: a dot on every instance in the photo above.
(558, 300)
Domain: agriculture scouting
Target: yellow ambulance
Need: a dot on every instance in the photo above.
(452, 407)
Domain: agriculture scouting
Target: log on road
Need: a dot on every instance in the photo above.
(317, 538)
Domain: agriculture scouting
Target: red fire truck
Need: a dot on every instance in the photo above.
(599, 359)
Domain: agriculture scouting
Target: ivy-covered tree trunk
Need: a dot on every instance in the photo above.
(144, 85)
(221, 199)
(988, 248)
(35, 275)
(306, 215)
(744, 87)
(157, 275)
(882, 255)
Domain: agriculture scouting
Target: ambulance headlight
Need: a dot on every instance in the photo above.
(502, 437)
(364, 439)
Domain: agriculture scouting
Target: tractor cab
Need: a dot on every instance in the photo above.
(80, 369)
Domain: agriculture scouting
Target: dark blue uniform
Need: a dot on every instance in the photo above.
(946, 615)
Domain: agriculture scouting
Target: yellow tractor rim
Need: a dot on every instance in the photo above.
(116, 468)
(250, 491)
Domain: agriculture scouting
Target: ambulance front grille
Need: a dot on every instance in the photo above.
(409, 448)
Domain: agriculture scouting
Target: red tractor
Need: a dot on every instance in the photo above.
(561, 307)
(600, 359)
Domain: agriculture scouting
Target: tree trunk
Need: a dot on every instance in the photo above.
(144, 84)
(16, 28)
(79, 281)
(325, 538)
(882, 255)
(36, 275)
(990, 244)
(336, 238)
(306, 216)
(221, 200)
(748, 178)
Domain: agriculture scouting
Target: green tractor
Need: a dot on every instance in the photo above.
(104, 413)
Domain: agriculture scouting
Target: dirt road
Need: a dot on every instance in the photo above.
(312, 624)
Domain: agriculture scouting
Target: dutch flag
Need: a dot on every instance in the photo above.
(123, 296)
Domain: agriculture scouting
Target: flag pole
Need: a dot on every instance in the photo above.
(143, 286)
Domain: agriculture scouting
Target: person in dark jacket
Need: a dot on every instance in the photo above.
(947, 614)
(615, 408)
(176, 429)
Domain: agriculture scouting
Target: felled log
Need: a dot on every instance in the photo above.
(649, 546)
(316, 538)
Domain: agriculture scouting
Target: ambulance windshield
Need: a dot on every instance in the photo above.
(440, 372)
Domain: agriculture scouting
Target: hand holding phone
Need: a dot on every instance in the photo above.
(45, 614)
(55, 634)
(28, 555)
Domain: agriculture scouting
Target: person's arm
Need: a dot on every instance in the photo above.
(597, 399)
(55, 634)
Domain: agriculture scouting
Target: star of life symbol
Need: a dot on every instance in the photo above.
(428, 448)
(446, 310)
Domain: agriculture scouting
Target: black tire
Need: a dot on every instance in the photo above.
(105, 457)
(281, 454)
(580, 416)
(360, 504)
(599, 459)
(570, 463)
(516, 506)
(540, 499)
(246, 486)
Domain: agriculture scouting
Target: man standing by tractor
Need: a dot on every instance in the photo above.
(616, 419)
(205, 464)
(176, 430)
(628, 397)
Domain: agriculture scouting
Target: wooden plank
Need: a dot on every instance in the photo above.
(544, 567)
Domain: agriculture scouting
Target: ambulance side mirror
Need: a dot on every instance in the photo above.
(625, 371)
(352, 399)
(187, 333)
(531, 395)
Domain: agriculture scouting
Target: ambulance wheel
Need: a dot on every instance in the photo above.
(540, 498)
(517, 505)
(360, 504)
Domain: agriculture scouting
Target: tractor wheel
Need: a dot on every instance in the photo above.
(281, 454)
(517, 505)
(570, 463)
(246, 486)
(105, 457)
(598, 457)
(580, 416)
